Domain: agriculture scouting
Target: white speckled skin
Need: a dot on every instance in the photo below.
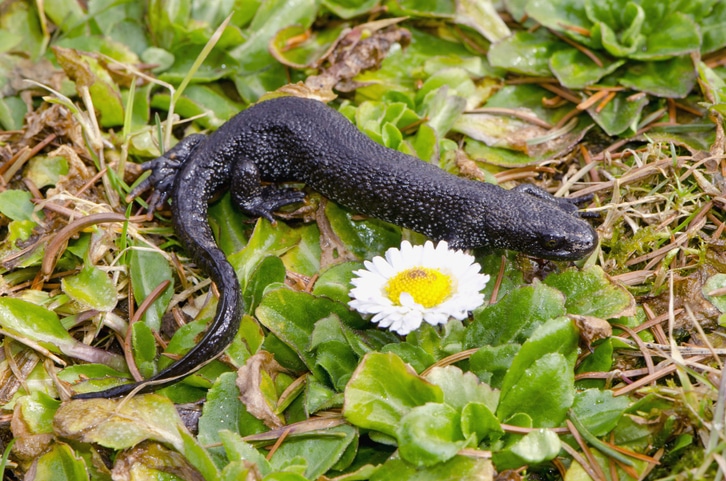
(303, 140)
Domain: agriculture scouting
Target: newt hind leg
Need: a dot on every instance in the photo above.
(257, 200)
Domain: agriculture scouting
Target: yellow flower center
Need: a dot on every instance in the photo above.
(428, 287)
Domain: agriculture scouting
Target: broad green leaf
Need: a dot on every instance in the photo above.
(272, 16)
(297, 47)
(36, 411)
(365, 238)
(430, 434)
(44, 171)
(676, 34)
(373, 401)
(411, 354)
(266, 240)
(458, 468)
(673, 78)
(269, 272)
(238, 450)
(532, 448)
(92, 288)
(211, 106)
(565, 16)
(16, 204)
(321, 449)
(478, 420)
(491, 363)
(482, 16)
(60, 463)
(713, 28)
(86, 71)
(717, 281)
(349, 8)
(333, 354)
(516, 316)
(304, 258)
(425, 8)
(598, 410)
(335, 281)
(121, 424)
(43, 326)
(148, 269)
(21, 30)
(461, 388)
(525, 52)
(292, 315)
(143, 345)
(591, 292)
(228, 225)
(223, 411)
(122, 22)
(620, 114)
(576, 70)
(12, 110)
(540, 381)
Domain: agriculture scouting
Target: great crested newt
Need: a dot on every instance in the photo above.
(302, 140)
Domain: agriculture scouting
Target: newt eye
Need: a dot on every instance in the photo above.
(551, 242)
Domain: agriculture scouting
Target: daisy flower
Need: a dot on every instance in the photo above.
(418, 283)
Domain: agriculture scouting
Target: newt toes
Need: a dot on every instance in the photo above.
(302, 140)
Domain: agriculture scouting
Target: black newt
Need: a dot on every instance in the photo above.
(303, 140)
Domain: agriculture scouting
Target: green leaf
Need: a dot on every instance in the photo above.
(86, 71)
(335, 281)
(565, 16)
(228, 225)
(491, 363)
(676, 34)
(482, 16)
(461, 388)
(713, 28)
(148, 269)
(478, 420)
(575, 70)
(620, 114)
(60, 463)
(292, 315)
(320, 449)
(269, 271)
(44, 171)
(238, 450)
(717, 281)
(272, 16)
(37, 411)
(379, 402)
(16, 204)
(458, 468)
(525, 309)
(304, 258)
(540, 381)
(525, 52)
(591, 292)
(143, 345)
(673, 78)
(122, 424)
(533, 448)
(598, 410)
(36, 323)
(92, 288)
(430, 434)
(288, 48)
(224, 411)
